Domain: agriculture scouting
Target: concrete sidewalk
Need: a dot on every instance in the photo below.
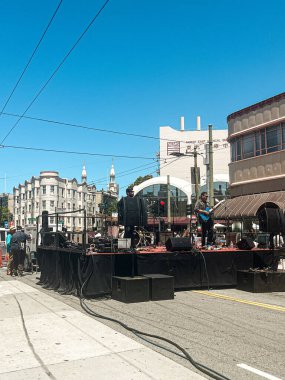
(43, 338)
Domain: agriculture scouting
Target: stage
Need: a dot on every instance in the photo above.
(65, 270)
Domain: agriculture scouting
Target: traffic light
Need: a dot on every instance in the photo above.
(161, 208)
(188, 209)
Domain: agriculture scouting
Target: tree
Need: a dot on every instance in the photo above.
(140, 180)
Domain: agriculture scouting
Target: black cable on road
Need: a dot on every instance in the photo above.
(31, 57)
(56, 70)
(208, 371)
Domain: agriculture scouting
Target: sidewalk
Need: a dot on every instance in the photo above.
(43, 338)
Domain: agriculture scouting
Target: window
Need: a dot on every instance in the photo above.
(68, 220)
(30, 194)
(263, 142)
(73, 206)
(30, 208)
(37, 204)
(62, 192)
(52, 204)
(37, 191)
(51, 220)
(248, 146)
(44, 204)
(238, 149)
(73, 193)
(273, 139)
(44, 189)
(52, 189)
(233, 151)
(68, 192)
(68, 206)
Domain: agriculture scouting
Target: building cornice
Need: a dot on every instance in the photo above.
(256, 106)
(255, 128)
(257, 180)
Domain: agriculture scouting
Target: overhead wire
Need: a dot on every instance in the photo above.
(31, 57)
(73, 125)
(75, 152)
(55, 71)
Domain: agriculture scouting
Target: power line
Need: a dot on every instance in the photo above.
(31, 57)
(74, 152)
(56, 70)
(72, 125)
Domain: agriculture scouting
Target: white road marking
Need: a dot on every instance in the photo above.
(258, 372)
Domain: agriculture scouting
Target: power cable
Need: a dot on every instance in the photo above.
(72, 125)
(74, 152)
(56, 70)
(208, 371)
(31, 57)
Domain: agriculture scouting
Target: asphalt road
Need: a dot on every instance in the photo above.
(235, 333)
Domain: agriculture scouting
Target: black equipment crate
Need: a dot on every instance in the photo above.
(261, 281)
(161, 287)
(130, 289)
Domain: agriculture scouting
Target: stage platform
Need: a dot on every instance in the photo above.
(65, 270)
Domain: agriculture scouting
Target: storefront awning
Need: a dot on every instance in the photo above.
(247, 206)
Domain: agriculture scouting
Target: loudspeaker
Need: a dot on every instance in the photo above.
(45, 220)
(178, 244)
(53, 239)
(270, 220)
(132, 212)
(130, 289)
(245, 243)
(161, 287)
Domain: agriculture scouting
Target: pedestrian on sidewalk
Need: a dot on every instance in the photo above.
(18, 250)
(9, 257)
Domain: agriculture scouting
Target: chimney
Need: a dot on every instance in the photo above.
(198, 123)
(182, 123)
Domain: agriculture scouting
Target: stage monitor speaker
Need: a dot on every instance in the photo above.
(178, 244)
(245, 243)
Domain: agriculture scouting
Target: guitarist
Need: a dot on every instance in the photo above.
(204, 213)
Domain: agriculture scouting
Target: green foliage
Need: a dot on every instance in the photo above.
(140, 180)
(4, 214)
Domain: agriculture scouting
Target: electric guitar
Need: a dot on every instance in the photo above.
(210, 210)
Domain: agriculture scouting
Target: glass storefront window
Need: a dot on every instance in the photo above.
(157, 193)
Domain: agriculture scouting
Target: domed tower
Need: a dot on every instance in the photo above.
(84, 174)
(112, 186)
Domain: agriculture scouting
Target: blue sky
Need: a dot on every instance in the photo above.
(142, 64)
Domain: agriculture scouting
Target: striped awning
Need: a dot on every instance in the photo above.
(247, 206)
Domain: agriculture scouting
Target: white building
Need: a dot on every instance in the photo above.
(49, 192)
(183, 141)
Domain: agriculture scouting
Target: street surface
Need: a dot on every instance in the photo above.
(238, 334)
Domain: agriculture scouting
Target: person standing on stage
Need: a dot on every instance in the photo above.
(129, 230)
(204, 213)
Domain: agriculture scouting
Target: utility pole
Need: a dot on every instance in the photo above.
(196, 174)
(168, 204)
(211, 169)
